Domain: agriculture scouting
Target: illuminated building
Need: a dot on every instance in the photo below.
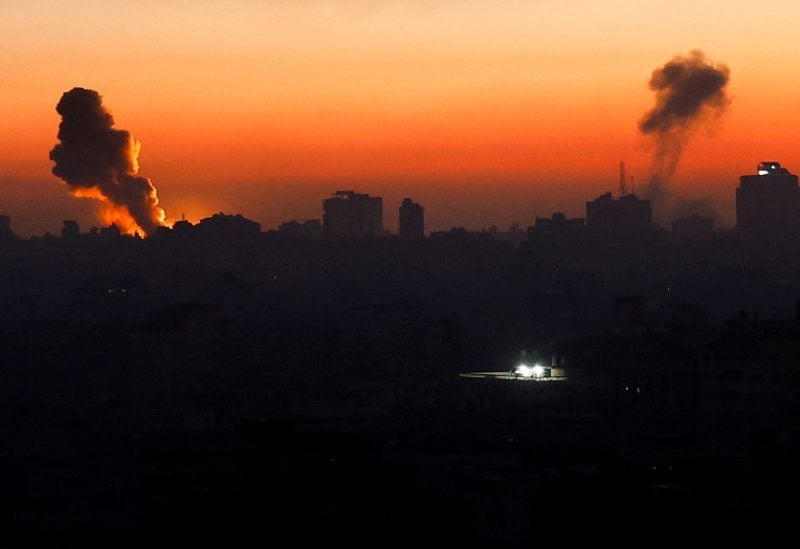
(412, 224)
(768, 204)
(528, 368)
(348, 214)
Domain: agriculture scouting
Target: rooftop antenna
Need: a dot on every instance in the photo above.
(183, 216)
(631, 184)
(621, 178)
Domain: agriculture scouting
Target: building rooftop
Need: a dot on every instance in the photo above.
(771, 168)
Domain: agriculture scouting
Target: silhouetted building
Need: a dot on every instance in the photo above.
(768, 204)
(412, 224)
(460, 234)
(625, 216)
(311, 228)
(349, 214)
(228, 226)
(748, 382)
(71, 229)
(514, 234)
(111, 232)
(182, 227)
(556, 228)
(5, 227)
(172, 357)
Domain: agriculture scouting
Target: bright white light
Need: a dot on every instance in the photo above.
(537, 370)
(763, 172)
(524, 370)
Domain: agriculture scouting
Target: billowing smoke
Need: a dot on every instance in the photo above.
(689, 90)
(99, 161)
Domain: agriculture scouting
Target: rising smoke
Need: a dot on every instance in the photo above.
(689, 91)
(99, 161)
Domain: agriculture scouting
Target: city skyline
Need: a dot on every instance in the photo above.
(486, 114)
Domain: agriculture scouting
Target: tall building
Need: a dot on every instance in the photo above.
(5, 227)
(412, 222)
(71, 229)
(348, 214)
(768, 204)
(626, 216)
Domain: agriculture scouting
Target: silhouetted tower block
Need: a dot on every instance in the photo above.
(348, 214)
(412, 221)
(768, 204)
(71, 229)
(5, 228)
(625, 216)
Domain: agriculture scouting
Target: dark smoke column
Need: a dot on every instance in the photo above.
(689, 90)
(97, 160)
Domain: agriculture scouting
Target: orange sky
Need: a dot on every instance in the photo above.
(483, 111)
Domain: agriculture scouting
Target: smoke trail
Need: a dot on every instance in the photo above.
(689, 90)
(99, 161)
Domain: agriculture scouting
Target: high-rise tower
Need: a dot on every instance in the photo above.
(412, 223)
(768, 203)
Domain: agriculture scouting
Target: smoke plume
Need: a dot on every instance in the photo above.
(689, 91)
(98, 161)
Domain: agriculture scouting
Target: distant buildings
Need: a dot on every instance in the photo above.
(768, 204)
(412, 224)
(310, 228)
(556, 228)
(348, 214)
(625, 216)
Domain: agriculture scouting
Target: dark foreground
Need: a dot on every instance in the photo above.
(71, 481)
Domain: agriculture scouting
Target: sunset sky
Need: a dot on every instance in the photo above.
(486, 112)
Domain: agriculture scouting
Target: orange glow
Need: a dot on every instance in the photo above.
(119, 217)
(485, 112)
(133, 154)
(108, 213)
(83, 192)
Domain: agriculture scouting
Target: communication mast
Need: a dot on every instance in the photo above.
(622, 178)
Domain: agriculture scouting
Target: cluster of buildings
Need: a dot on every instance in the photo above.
(348, 214)
(767, 208)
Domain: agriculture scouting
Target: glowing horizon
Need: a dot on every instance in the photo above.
(482, 112)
